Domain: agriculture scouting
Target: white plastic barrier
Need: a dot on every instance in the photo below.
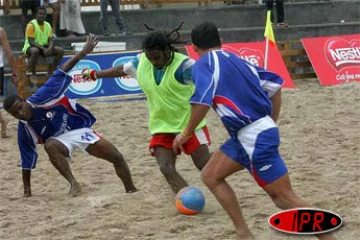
(102, 46)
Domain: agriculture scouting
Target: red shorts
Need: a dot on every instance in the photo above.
(200, 137)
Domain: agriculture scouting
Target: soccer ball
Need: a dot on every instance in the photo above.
(190, 200)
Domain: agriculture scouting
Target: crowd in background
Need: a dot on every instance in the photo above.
(66, 15)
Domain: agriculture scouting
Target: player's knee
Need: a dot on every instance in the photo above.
(61, 51)
(281, 199)
(34, 52)
(208, 178)
(167, 169)
(200, 163)
(118, 159)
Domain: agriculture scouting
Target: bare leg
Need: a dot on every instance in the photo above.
(213, 175)
(106, 150)
(166, 159)
(6, 7)
(284, 197)
(3, 123)
(34, 54)
(55, 15)
(58, 154)
(26, 175)
(201, 156)
(23, 22)
(58, 53)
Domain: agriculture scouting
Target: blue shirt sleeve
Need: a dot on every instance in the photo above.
(270, 82)
(202, 74)
(135, 61)
(54, 87)
(183, 74)
(27, 148)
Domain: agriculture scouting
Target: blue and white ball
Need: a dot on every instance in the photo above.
(190, 200)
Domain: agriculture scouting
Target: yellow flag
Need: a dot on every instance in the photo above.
(269, 33)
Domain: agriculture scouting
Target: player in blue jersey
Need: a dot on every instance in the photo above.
(48, 117)
(247, 99)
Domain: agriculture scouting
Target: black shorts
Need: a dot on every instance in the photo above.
(2, 81)
(27, 5)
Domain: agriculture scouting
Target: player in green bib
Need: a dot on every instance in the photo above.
(164, 75)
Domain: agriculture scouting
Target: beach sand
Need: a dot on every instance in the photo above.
(320, 143)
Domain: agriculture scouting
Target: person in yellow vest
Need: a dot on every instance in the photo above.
(38, 42)
(164, 75)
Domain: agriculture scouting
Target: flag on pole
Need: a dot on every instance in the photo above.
(269, 33)
(269, 37)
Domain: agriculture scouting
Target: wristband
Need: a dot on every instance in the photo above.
(185, 135)
(90, 73)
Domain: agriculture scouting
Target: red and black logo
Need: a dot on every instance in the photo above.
(305, 221)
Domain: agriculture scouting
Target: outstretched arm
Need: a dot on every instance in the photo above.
(9, 55)
(28, 156)
(90, 44)
(116, 71)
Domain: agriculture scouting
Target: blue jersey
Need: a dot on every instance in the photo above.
(53, 115)
(238, 91)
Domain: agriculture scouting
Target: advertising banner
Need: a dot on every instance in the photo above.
(103, 87)
(336, 59)
(254, 53)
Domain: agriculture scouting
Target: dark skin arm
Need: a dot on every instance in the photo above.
(88, 47)
(48, 51)
(26, 175)
(117, 71)
(9, 54)
(276, 105)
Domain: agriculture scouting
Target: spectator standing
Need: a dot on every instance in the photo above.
(27, 5)
(55, 6)
(115, 6)
(70, 18)
(280, 13)
(6, 7)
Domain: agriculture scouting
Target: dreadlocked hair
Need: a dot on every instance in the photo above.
(163, 39)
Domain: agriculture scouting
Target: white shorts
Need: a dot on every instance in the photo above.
(52, 1)
(79, 138)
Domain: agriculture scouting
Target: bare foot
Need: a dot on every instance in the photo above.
(27, 194)
(75, 189)
(131, 190)
(245, 236)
